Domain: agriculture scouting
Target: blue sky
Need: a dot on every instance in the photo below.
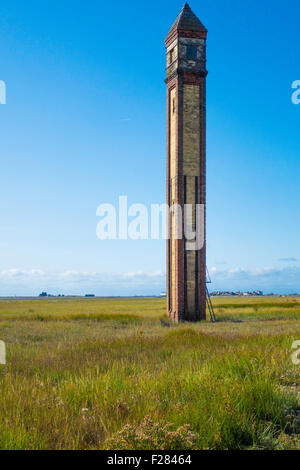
(85, 122)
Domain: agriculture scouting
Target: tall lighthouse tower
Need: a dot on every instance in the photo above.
(186, 161)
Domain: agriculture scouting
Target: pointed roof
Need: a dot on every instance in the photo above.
(187, 21)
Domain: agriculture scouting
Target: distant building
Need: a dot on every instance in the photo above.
(237, 293)
(90, 295)
(43, 294)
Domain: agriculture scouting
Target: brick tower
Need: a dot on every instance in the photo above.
(186, 161)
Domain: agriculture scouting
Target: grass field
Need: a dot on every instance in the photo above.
(116, 374)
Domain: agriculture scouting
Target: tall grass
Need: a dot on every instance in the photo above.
(127, 381)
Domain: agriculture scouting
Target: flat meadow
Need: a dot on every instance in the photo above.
(117, 374)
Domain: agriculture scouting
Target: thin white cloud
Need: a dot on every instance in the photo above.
(19, 273)
(285, 279)
(289, 260)
(32, 281)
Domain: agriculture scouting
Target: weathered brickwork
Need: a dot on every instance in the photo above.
(173, 131)
(191, 129)
(191, 169)
(186, 166)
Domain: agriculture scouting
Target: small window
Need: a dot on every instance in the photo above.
(173, 105)
(171, 56)
(191, 52)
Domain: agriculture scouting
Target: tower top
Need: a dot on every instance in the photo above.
(187, 24)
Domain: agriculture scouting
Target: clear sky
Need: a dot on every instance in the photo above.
(85, 122)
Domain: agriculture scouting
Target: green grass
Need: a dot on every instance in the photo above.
(115, 373)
